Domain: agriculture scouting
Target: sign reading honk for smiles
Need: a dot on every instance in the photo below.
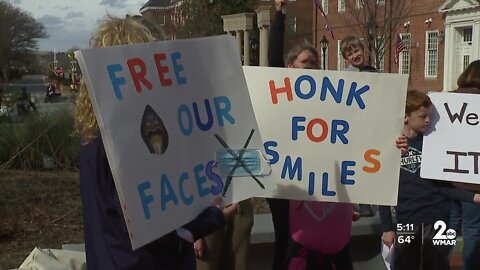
(164, 110)
(330, 135)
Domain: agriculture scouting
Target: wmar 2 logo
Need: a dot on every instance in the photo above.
(444, 237)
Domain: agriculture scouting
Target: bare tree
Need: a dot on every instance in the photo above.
(378, 21)
(19, 32)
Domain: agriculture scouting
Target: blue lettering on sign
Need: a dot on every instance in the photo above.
(177, 68)
(269, 151)
(346, 172)
(166, 193)
(206, 182)
(292, 170)
(222, 107)
(217, 187)
(187, 200)
(144, 198)
(116, 81)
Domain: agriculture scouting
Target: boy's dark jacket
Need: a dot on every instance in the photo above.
(420, 200)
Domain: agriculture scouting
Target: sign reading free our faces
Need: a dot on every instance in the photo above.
(330, 135)
(162, 108)
(451, 150)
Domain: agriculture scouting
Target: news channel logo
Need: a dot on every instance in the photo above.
(444, 236)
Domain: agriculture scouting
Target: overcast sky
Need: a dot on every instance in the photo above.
(70, 23)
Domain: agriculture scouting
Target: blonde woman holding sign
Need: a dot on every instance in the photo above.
(107, 243)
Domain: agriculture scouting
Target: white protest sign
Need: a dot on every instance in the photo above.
(159, 106)
(451, 148)
(330, 135)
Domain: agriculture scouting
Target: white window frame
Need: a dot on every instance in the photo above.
(431, 54)
(325, 6)
(404, 57)
(341, 65)
(292, 23)
(360, 3)
(467, 38)
(465, 61)
(341, 5)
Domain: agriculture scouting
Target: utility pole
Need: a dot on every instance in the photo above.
(55, 62)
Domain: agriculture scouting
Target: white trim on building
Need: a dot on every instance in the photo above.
(460, 17)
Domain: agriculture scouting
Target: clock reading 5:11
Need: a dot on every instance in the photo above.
(408, 227)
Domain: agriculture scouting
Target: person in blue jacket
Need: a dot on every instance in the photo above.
(107, 243)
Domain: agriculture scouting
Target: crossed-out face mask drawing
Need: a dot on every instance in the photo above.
(239, 161)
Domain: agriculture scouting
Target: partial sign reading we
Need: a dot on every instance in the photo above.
(466, 118)
(450, 149)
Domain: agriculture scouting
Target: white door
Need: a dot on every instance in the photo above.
(466, 48)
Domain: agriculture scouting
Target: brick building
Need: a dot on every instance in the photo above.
(433, 57)
(462, 37)
(299, 21)
(441, 37)
(165, 13)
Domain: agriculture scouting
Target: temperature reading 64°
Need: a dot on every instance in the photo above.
(405, 239)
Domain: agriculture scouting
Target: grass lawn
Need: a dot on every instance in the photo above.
(43, 209)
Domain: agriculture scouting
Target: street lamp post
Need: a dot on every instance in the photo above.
(324, 45)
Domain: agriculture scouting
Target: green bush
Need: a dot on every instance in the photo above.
(37, 138)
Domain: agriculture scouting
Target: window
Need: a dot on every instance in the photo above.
(431, 55)
(381, 2)
(292, 23)
(341, 5)
(341, 63)
(404, 65)
(325, 6)
(360, 3)
(466, 61)
(467, 35)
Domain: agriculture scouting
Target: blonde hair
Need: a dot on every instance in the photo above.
(111, 31)
(350, 43)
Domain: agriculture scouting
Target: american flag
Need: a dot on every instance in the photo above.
(398, 49)
(319, 6)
